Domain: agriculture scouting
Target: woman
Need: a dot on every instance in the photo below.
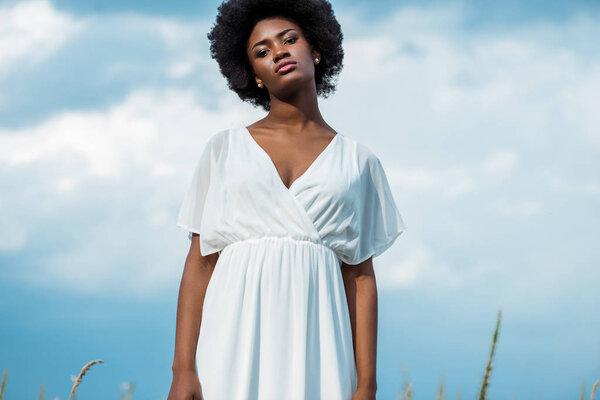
(278, 297)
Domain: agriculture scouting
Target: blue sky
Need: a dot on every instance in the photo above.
(484, 116)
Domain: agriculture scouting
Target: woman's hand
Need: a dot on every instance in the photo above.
(364, 394)
(185, 386)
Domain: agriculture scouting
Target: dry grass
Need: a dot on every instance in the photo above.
(488, 368)
(81, 374)
(3, 385)
(41, 395)
(407, 395)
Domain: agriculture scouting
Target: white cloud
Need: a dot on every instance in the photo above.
(180, 69)
(429, 79)
(455, 181)
(31, 31)
(579, 102)
(185, 42)
(524, 207)
(501, 163)
(573, 186)
(418, 267)
(138, 155)
(131, 133)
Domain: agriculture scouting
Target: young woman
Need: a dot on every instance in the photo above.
(278, 297)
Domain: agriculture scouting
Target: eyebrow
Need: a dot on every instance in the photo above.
(280, 34)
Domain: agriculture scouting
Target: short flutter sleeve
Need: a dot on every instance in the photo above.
(192, 207)
(380, 222)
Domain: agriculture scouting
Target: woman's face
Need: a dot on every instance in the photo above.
(277, 40)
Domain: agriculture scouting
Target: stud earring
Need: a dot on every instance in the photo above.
(316, 60)
(260, 85)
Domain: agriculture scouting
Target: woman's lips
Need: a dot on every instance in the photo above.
(286, 68)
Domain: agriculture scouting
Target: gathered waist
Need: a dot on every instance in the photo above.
(279, 239)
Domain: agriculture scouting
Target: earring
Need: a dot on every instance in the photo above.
(316, 60)
(260, 85)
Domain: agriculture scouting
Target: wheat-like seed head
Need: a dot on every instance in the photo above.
(41, 395)
(81, 374)
(3, 385)
(594, 389)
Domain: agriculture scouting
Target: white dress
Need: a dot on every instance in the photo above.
(275, 320)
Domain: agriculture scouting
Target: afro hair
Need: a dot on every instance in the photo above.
(234, 23)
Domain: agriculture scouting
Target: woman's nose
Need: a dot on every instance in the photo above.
(279, 52)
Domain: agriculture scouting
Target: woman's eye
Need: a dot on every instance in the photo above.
(262, 52)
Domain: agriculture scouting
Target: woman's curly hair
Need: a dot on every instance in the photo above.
(234, 23)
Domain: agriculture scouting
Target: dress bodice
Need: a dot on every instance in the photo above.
(343, 200)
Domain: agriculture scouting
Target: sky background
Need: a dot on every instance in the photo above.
(484, 115)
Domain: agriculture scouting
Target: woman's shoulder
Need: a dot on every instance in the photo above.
(219, 136)
(362, 152)
(219, 139)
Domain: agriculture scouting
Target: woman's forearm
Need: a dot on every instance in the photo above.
(361, 293)
(194, 281)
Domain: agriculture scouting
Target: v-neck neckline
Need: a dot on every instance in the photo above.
(274, 167)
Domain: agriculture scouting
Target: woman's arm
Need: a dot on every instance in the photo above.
(196, 275)
(361, 293)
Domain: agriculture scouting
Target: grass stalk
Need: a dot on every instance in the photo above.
(3, 385)
(488, 368)
(81, 374)
(41, 394)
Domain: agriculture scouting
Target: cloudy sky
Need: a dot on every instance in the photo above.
(485, 117)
